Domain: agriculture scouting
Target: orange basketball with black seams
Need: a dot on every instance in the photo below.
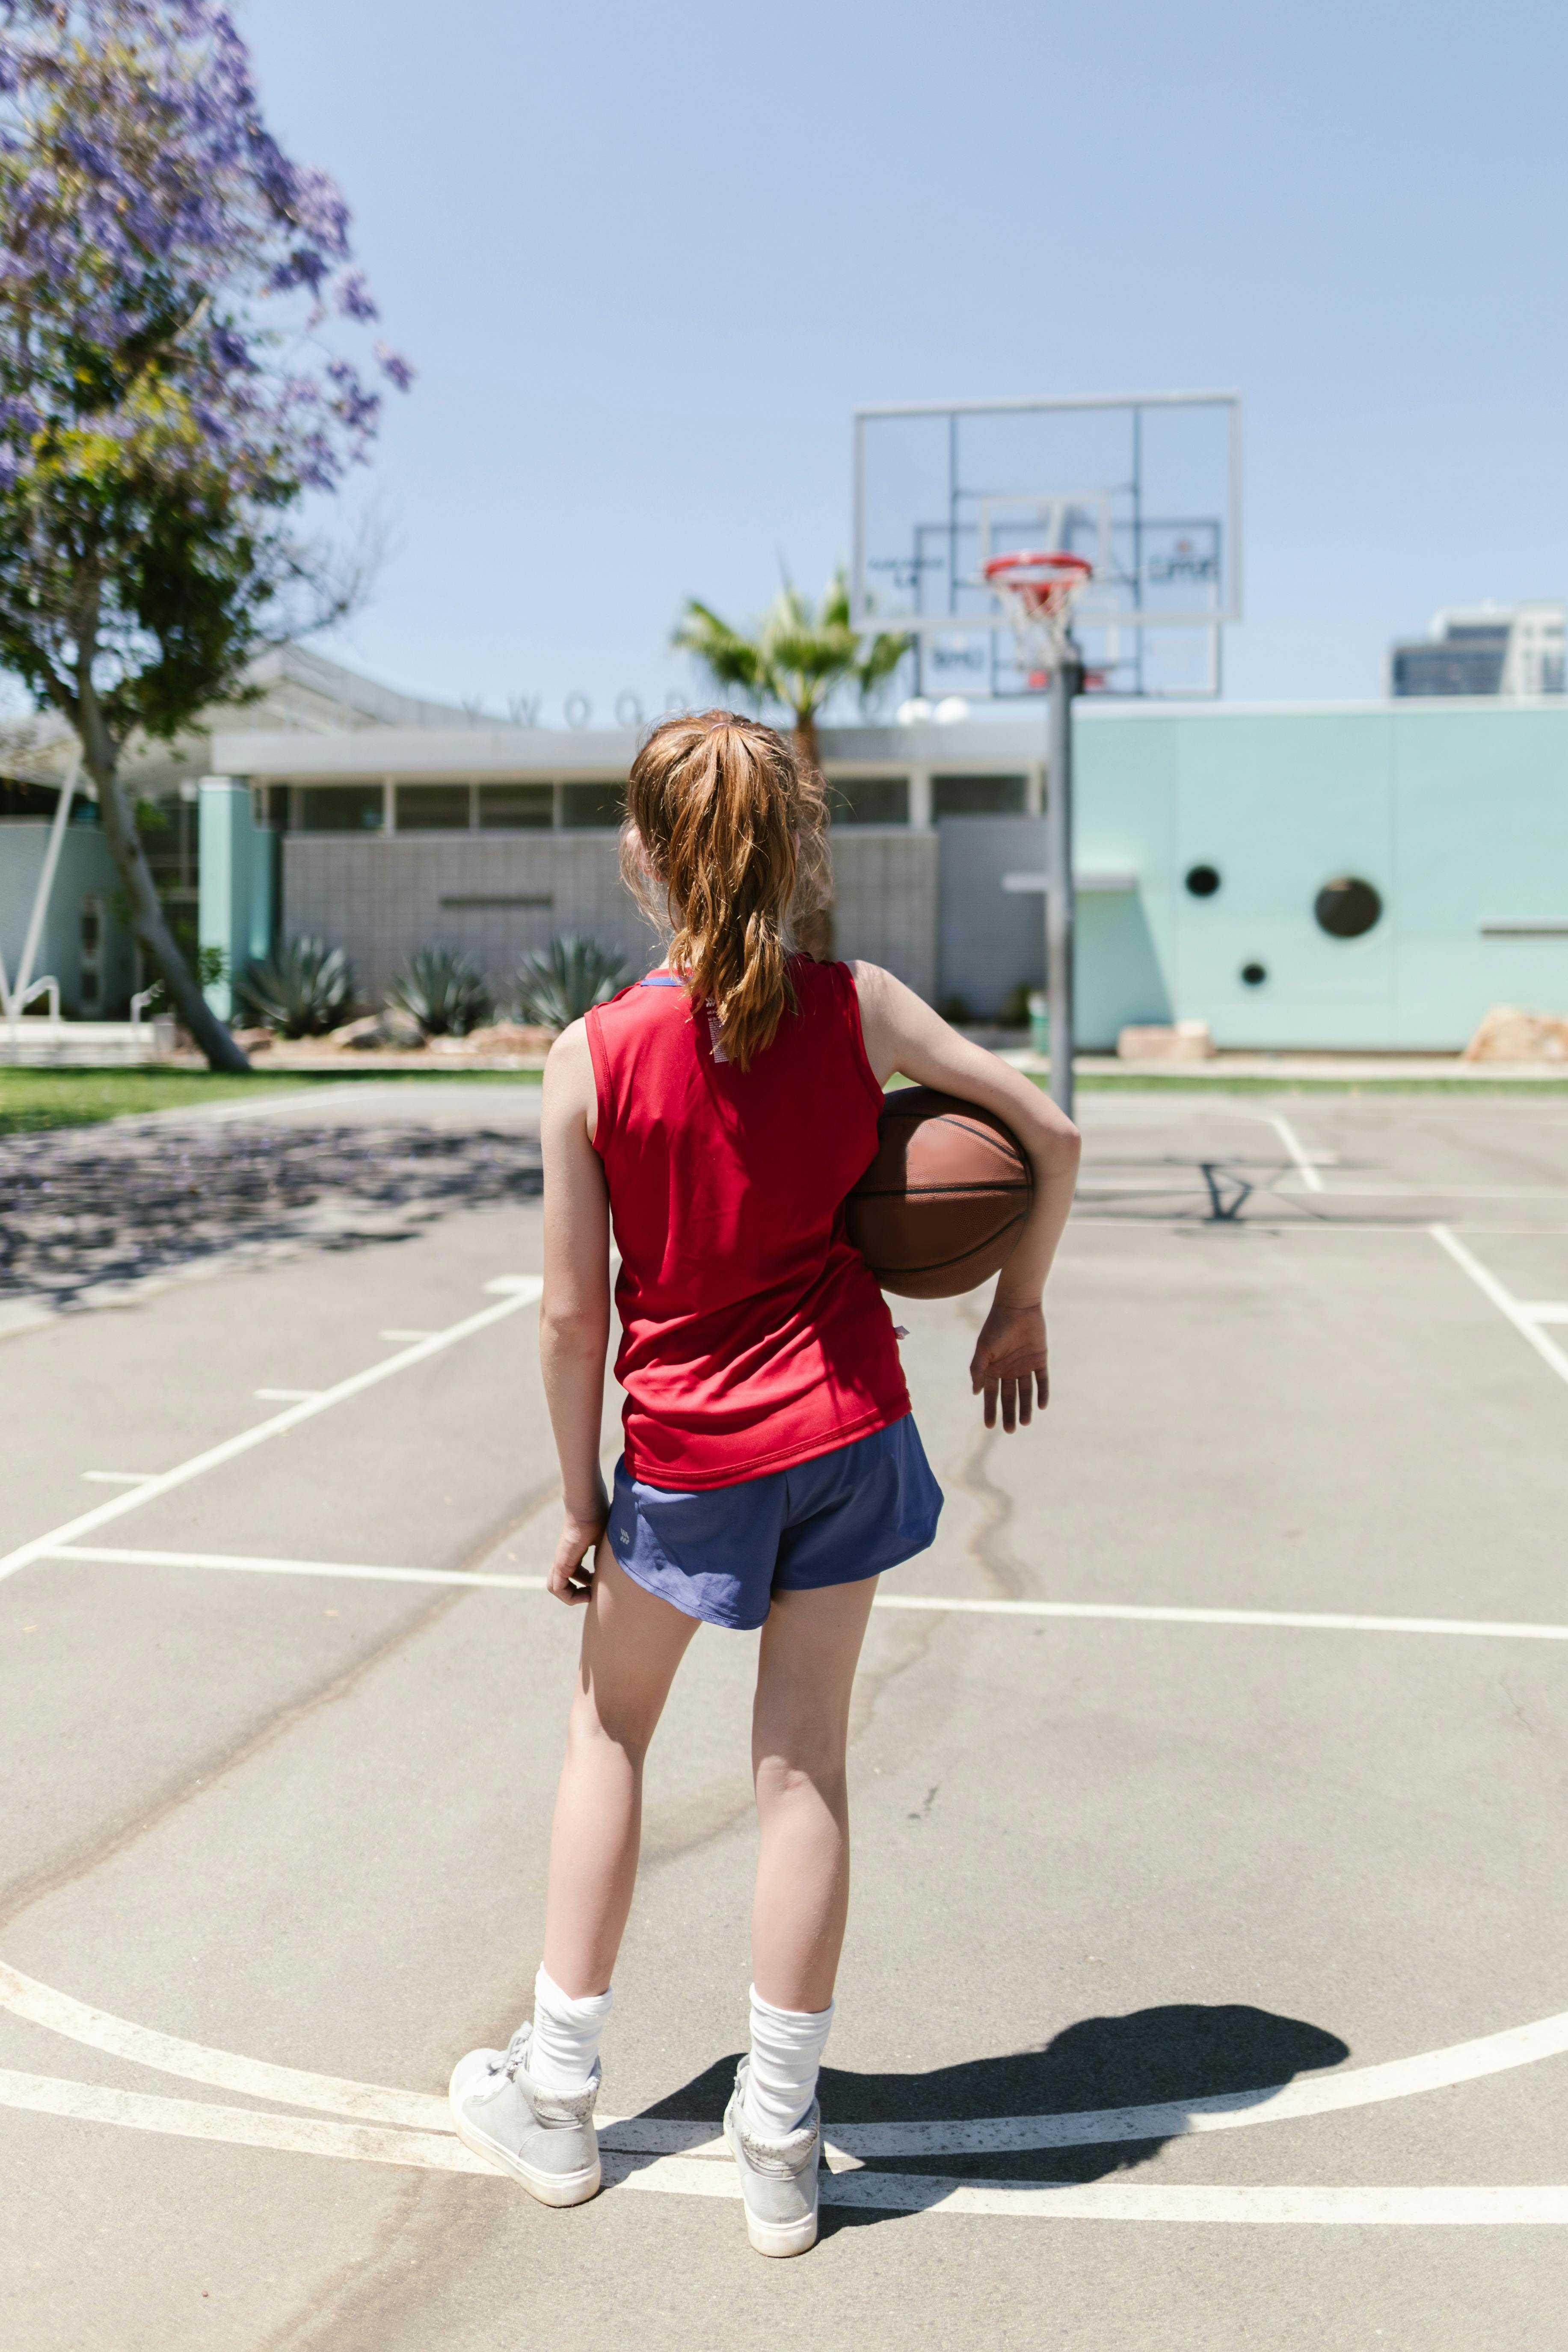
(943, 1203)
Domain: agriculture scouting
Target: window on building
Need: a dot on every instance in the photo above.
(432, 808)
(18, 799)
(978, 795)
(341, 808)
(870, 800)
(597, 806)
(170, 831)
(516, 808)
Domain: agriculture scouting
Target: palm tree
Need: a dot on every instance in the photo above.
(797, 657)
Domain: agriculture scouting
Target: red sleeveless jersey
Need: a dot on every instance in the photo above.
(754, 1336)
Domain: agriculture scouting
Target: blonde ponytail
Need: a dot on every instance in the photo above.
(726, 839)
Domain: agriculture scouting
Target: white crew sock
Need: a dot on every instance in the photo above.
(565, 2038)
(786, 2053)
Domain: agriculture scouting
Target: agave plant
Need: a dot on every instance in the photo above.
(557, 984)
(303, 991)
(440, 989)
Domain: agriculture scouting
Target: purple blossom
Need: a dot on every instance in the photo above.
(393, 367)
(353, 298)
(137, 174)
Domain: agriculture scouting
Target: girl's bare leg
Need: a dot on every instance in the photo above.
(632, 1644)
(800, 1730)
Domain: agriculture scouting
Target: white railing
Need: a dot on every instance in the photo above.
(48, 986)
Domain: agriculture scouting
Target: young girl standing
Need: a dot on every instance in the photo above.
(715, 1115)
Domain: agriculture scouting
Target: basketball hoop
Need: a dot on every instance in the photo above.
(1037, 589)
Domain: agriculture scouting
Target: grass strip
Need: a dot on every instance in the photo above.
(32, 1100)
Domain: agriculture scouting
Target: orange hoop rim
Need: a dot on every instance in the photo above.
(1042, 579)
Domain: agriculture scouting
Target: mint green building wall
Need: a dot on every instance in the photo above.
(1125, 815)
(237, 871)
(1457, 815)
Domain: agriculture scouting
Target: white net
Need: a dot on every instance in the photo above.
(1037, 590)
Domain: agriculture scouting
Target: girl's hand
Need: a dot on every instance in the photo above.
(572, 1570)
(1010, 1359)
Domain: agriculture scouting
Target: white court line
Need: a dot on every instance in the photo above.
(1122, 2200)
(1544, 1310)
(166, 2054)
(1292, 1143)
(1301, 1619)
(1437, 1191)
(1318, 2095)
(196, 2119)
(1307, 1621)
(114, 1558)
(1117, 2200)
(1504, 1300)
(521, 1291)
(119, 1477)
(1270, 1220)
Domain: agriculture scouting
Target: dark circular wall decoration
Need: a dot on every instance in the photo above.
(1346, 907)
(1203, 881)
(1255, 974)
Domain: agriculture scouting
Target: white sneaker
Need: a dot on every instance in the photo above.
(544, 2138)
(778, 2177)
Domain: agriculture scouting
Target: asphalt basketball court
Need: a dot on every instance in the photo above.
(1204, 1985)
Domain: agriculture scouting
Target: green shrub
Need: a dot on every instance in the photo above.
(440, 989)
(557, 984)
(303, 991)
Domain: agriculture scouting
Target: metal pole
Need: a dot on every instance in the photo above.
(42, 895)
(1067, 678)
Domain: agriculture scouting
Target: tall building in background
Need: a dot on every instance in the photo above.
(1513, 650)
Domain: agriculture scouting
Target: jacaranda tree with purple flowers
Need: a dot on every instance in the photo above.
(167, 278)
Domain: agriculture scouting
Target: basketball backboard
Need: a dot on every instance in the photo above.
(1146, 486)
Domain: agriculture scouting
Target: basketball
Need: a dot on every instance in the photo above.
(942, 1204)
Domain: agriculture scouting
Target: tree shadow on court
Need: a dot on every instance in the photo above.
(82, 1210)
(1169, 2056)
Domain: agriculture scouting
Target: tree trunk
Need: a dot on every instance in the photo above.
(147, 919)
(814, 932)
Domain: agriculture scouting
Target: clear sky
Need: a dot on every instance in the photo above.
(647, 259)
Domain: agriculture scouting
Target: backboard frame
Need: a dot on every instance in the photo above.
(1139, 552)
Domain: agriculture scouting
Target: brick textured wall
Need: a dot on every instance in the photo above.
(380, 897)
(885, 882)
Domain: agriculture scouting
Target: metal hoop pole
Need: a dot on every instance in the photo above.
(1067, 681)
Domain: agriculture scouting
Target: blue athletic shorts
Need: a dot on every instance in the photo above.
(723, 1553)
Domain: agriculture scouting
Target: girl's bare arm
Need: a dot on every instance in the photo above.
(903, 1034)
(574, 1312)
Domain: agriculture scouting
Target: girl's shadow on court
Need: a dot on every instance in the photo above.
(1168, 2057)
